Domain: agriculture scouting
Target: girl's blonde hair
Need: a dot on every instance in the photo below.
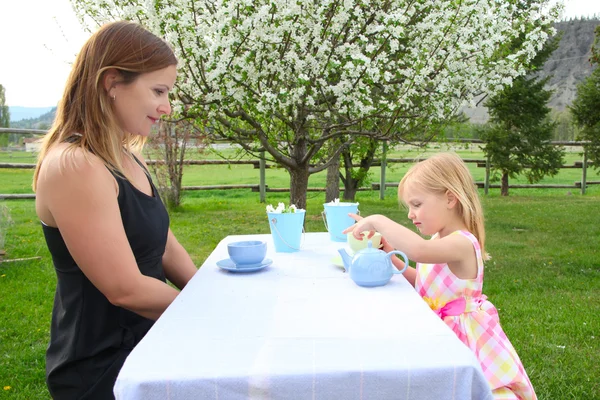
(448, 172)
(86, 109)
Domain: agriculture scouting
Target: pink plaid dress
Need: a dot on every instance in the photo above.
(475, 322)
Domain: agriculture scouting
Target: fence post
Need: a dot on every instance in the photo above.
(584, 171)
(382, 178)
(262, 189)
(486, 184)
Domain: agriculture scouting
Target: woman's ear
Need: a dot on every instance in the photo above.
(451, 199)
(110, 80)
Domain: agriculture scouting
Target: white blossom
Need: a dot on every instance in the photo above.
(282, 209)
(336, 202)
(281, 58)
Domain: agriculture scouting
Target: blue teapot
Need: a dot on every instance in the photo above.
(371, 267)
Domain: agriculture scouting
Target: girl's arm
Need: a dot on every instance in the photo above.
(455, 250)
(410, 273)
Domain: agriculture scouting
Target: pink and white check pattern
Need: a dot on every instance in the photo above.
(479, 329)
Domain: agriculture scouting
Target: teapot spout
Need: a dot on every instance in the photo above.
(346, 259)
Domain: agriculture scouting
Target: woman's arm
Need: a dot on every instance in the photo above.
(80, 195)
(177, 263)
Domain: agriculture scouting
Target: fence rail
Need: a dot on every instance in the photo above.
(262, 165)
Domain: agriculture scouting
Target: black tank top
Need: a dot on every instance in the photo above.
(89, 337)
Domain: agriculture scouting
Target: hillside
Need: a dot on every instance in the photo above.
(567, 66)
(20, 113)
(43, 121)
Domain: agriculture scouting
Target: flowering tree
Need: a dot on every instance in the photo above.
(290, 76)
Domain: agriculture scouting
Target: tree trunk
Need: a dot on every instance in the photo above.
(299, 186)
(352, 180)
(171, 142)
(332, 188)
(504, 185)
(350, 189)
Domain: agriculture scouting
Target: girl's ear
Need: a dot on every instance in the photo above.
(451, 199)
(110, 79)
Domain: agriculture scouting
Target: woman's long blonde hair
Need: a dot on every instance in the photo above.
(448, 172)
(86, 110)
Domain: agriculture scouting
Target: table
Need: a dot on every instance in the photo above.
(298, 329)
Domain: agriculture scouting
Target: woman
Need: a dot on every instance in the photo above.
(104, 223)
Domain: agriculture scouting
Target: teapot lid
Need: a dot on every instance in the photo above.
(369, 248)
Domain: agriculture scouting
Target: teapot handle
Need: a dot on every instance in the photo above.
(394, 269)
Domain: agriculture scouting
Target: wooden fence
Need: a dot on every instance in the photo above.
(261, 164)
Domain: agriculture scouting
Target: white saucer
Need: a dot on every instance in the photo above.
(228, 265)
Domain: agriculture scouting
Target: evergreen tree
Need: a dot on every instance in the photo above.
(517, 140)
(586, 107)
(4, 117)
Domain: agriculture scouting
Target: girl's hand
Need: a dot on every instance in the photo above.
(355, 217)
(386, 246)
(362, 224)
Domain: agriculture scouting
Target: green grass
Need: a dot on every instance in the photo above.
(544, 275)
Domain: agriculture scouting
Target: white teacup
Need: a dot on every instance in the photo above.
(357, 245)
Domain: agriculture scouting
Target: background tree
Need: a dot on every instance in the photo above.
(517, 140)
(332, 181)
(357, 158)
(4, 117)
(167, 149)
(565, 127)
(290, 76)
(363, 149)
(586, 107)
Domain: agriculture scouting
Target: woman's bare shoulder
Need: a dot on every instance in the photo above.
(69, 174)
(65, 162)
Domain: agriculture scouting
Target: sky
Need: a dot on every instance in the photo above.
(40, 39)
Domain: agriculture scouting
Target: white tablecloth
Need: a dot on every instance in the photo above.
(298, 329)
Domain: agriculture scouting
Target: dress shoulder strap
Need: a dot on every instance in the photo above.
(141, 164)
(477, 248)
(73, 138)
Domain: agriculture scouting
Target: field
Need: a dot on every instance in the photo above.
(544, 275)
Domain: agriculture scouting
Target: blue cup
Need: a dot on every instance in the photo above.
(247, 252)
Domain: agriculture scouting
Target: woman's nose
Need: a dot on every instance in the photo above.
(165, 108)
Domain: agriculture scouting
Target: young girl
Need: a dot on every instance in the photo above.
(443, 203)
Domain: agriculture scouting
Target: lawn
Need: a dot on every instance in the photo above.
(544, 275)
